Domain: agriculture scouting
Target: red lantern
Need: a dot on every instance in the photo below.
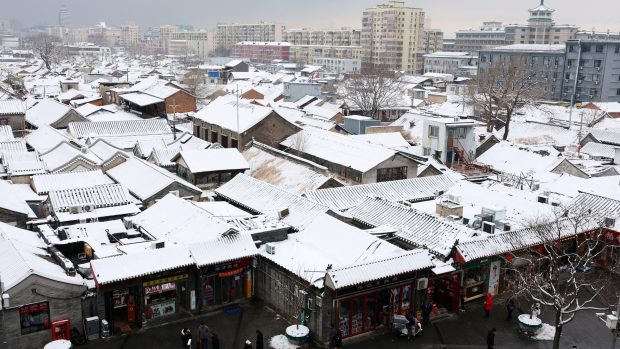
(509, 258)
(539, 249)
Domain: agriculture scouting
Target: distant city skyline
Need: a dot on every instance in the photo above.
(447, 15)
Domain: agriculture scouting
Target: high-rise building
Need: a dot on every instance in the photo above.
(130, 34)
(195, 42)
(491, 34)
(540, 29)
(165, 35)
(231, 33)
(433, 41)
(331, 37)
(392, 37)
(63, 16)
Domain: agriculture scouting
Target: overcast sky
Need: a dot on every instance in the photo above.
(448, 15)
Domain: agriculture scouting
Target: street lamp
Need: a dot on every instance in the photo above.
(611, 321)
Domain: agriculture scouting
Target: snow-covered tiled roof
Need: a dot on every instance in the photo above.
(6, 133)
(22, 254)
(44, 183)
(601, 206)
(223, 111)
(606, 136)
(415, 227)
(508, 158)
(119, 128)
(380, 269)
(10, 200)
(414, 189)
(45, 138)
(16, 146)
(64, 153)
(339, 149)
(141, 99)
(223, 249)
(133, 265)
(22, 164)
(265, 198)
(12, 107)
(46, 112)
(213, 160)
(105, 195)
(145, 180)
(597, 150)
(284, 170)
(104, 150)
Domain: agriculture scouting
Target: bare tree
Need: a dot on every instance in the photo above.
(194, 79)
(504, 87)
(47, 48)
(372, 91)
(551, 273)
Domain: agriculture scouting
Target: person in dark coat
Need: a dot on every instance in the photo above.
(510, 307)
(491, 338)
(183, 338)
(332, 336)
(427, 309)
(188, 339)
(215, 341)
(259, 339)
(338, 340)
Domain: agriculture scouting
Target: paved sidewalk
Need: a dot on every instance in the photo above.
(465, 330)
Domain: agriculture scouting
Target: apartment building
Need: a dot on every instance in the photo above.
(433, 40)
(338, 65)
(490, 34)
(392, 37)
(195, 42)
(262, 52)
(595, 65)
(130, 34)
(331, 37)
(306, 54)
(449, 62)
(228, 34)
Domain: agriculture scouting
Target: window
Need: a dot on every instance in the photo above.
(458, 132)
(427, 151)
(597, 63)
(599, 48)
(618, 92)
(433, 131)
(585, 48)
(34, 317)
(224, 142)
(391, 174)
(617, 50)
(214, 137)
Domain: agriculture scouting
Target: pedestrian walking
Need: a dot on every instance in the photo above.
(203, 336)
(215, 341)
(332, 336)
(247, 345)
(426, 312)
(510, 307)
(491, 338)
(183, 338)
(259, 339)
(338, 340)
(488, 304)
(188, 339)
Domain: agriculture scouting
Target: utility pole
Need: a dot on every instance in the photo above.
(238, 133)
(174, 118)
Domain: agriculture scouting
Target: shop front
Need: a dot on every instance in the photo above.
(121, 304)
(165, 294)
(225, 283)
(363, 308)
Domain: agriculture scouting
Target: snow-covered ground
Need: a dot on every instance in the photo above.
(281, 342)
(545, 333)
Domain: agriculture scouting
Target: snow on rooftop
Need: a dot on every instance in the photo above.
(339, 149)
(46, 112)
(11, 200)
(44, 183)
(223, 111)
(212, 160)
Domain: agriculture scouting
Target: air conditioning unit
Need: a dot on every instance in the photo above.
(543, 199)
(507, 226)
(488, 227)
(75, 209)
(283, 213)
(422, 284)
(159, 244)
(270, 248)
(88, 208)
(610, 222)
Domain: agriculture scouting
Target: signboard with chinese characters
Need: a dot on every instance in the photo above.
(169, 286)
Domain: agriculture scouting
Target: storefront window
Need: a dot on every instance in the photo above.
(406, 299)
(357, 325)
(34, 317)
(371, 312)
(474, 283)
(344, 317)
(160, 299)
(208, 287)
(396, 300)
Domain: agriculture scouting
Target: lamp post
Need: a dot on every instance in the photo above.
(611, 321)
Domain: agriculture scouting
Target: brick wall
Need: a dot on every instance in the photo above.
(184, 103)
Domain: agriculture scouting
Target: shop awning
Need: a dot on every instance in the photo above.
(443, 269)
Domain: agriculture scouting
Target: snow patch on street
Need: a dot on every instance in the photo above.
(281, 342)
(546, 333)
